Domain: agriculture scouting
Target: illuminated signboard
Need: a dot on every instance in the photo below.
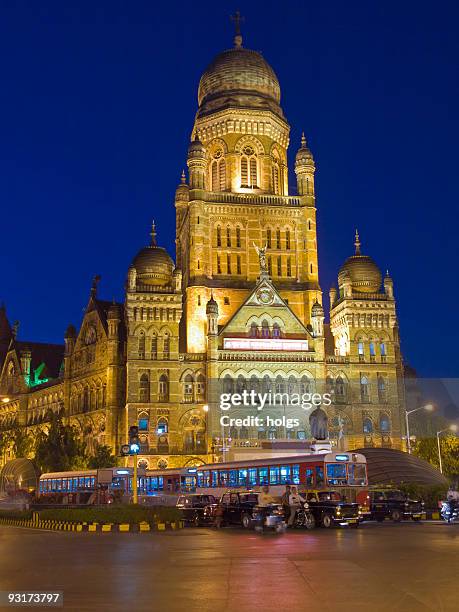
(265, 344)
(342, 457)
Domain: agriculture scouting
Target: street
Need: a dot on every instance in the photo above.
(386, 567)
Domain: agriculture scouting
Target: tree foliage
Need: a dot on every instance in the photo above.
(59, 448)
(21, 441)
(427, 449)
(102, 458)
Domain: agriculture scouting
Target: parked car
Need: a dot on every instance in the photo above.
(197, 509)
(392, 504)
(241, 508)
(330, 509)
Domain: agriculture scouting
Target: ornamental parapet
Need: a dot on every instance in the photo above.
(265, 356)
(223, 197)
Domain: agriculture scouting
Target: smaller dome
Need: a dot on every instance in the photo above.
(196, 149)
(317, 310)
(304, 156)
(182, 193)
(364, 274)
(153, 264)
(212, 306)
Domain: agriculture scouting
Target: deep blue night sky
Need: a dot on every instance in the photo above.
(97, 103)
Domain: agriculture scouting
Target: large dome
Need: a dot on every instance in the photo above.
(363, 272)
(239, 78)
(153, 264)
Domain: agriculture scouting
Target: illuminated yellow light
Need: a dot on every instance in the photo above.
(5, 400)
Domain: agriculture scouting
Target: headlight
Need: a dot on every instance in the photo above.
(306, 506)
(406, 504)
(338, 511)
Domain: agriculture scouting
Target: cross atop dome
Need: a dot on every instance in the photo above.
(357, 243)
(237, 19)
(153, 234)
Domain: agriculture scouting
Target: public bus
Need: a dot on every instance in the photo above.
(342, 471)
(78, 486)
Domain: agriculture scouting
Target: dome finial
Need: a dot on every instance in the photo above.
(303, 140)
(183, 178)
(237, 19)
(153, 233)
(357, 243)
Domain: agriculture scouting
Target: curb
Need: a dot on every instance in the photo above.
(92, 527)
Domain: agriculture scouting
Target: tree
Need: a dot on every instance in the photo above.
(59, 448)
(21, 441)
(427, 449)
(103, 458)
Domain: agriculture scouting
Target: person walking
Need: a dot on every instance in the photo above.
(285, 501)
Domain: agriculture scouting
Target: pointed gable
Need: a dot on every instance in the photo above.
(265, 304)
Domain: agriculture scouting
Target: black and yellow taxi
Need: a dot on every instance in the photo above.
(330, 508)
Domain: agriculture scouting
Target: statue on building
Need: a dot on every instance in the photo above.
(318, 421)
(261, 252)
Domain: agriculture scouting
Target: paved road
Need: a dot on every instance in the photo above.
(378, 567)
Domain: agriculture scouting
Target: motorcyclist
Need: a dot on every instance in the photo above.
(295, 501)
(452, 497)
(265, 499)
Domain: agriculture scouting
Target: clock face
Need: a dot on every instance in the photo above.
(265, 296)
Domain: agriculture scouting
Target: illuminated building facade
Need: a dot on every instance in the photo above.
(242, 304)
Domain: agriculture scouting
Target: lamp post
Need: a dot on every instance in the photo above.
(429, 408)
(450, 428)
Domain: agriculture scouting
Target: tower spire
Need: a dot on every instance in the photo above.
(303, 140)
(237, 19)
(153, 233)
(183, 178)
(357, 243)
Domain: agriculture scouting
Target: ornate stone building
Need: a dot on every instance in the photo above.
(240, 309)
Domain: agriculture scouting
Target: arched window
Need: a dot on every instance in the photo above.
(200, 388)
(361, 351)
(381, 389)
(249, 171)
(86, 404)
(340, 390)
(162, 427)
(142, 345)
(222, 174)
(188, 388)
(228, 263)
(275, 177)
(163, 388)
(228, 236)
(144, 388)
(278, 239)
(287, 240)
(279, 266)
(253, 330)
(276, 330)
(219, 236)
(264, 329)
(154, 347)
(228, 384)
(364, 393)
(166, 347)
(238, 236)
(214, 176)
(384, 423)
(289, 266)
(268, 237)
(329, 384)
(367, 426)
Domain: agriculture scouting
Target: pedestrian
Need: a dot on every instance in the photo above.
(295, 501)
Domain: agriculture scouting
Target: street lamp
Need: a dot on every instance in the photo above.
(450, 428)
(428, 407)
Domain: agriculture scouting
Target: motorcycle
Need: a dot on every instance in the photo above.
(449, 512)
(304, 517)
(271, 517)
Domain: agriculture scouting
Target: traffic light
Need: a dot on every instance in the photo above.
(134, 440)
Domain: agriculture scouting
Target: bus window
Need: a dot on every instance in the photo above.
(284, 474)
(214, 478)
(206, 478)
(233, 478)
(357, 474)
(93, 482)
(252, 477)
(75, 484)
(160, 483)
(40, 486)
(273, 475)
(295, 477)
(200, 479)
(336, 473)
(242, 480)
(309, 477)
(319, 475)
(223, 478)
(263, 476)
